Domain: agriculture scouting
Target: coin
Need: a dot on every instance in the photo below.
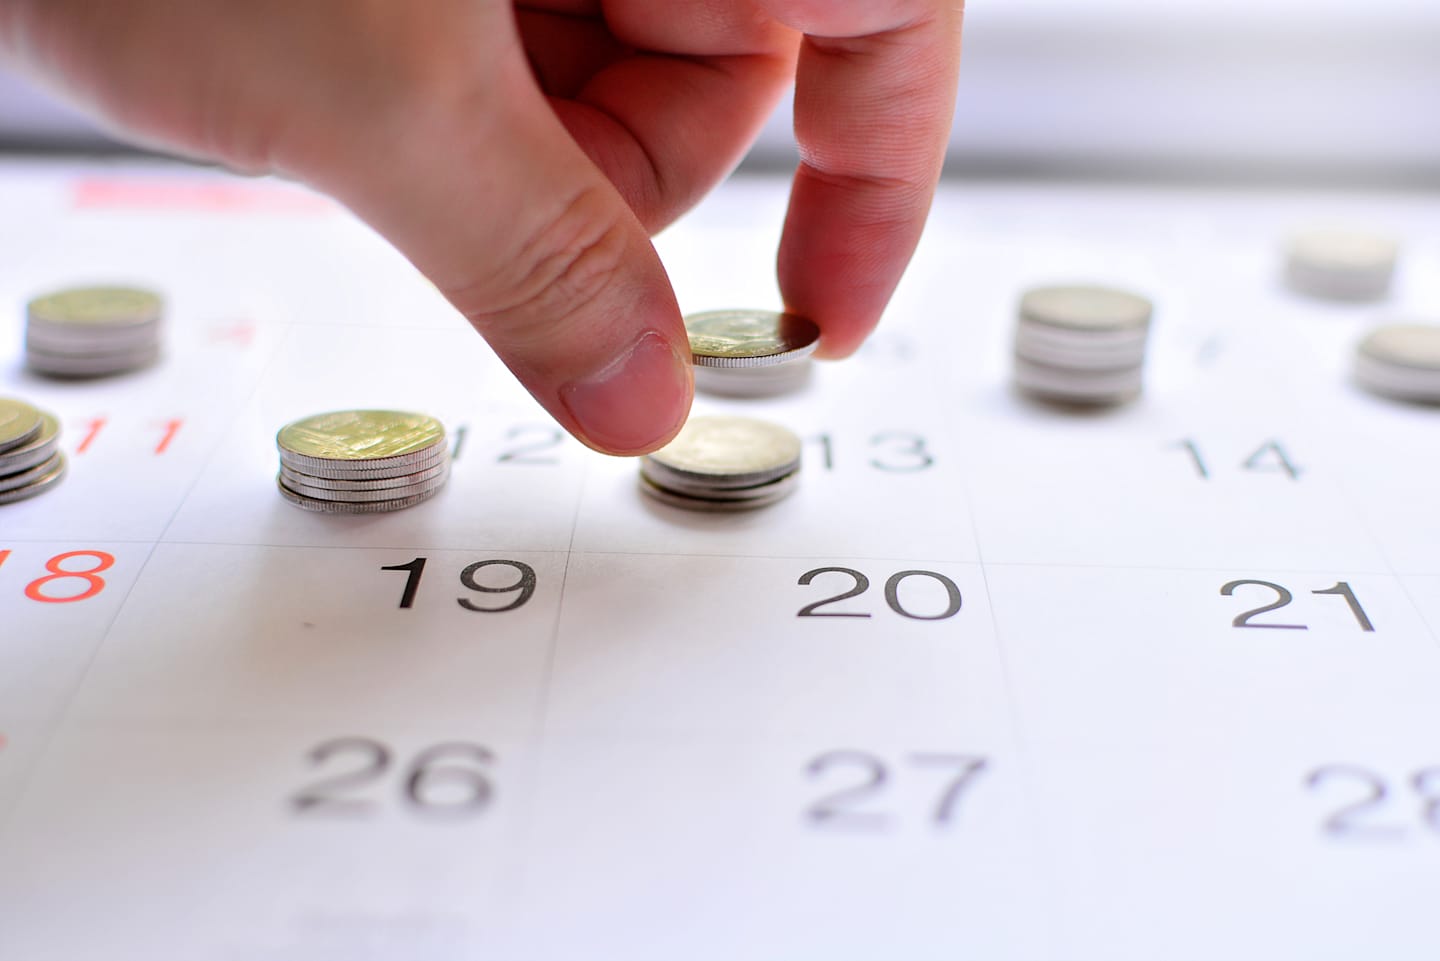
(1086, 308)
(299, 479)
(749, 338)
(96, 306)
(24, 477)
(752, 492)
(1341, 264)
(751, 382)
(93, 331)
(19, 423)
(90, 365)
(363, 495)
(362, 461)
(345, 507)
(39, 486)
(727, 452)
(38, 450)
(375, 438)
(341, 471)
(723, 464)
(1401, 361)
(774, 493)
(1081, 344)
(1083, 387)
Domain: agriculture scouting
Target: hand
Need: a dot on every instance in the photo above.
(520, 155)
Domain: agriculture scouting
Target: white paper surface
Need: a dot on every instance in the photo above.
(241, 746)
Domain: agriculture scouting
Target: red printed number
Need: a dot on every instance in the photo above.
(94, 583)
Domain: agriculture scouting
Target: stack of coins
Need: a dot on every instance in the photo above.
(93, 331)
(723, 464)
(1341, 264)
(751, 353)
(1081, 345)
(1401, 361)
(30, 458)
(362, 461)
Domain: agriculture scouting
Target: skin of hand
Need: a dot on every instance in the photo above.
(522, 154)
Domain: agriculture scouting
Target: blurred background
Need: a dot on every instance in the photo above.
(1271, 90)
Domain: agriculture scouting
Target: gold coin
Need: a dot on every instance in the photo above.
(360, 435)
(749, 338)
(19, 423)
(96, 306)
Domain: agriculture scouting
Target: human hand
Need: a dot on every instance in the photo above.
(520, 155)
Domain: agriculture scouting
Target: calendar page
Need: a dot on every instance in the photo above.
(999, 680)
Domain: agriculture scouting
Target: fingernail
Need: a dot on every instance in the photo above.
(634, 402)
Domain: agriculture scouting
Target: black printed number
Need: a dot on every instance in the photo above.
(445, 780)
(1368, 799)
(536, 447)
(1269, 457)
(892, 451)
(1283, 597)
(893, 598)
(522, 585)
(859, 783)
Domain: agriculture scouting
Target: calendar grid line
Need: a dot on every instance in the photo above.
(59, 717)
(765, 555)
(1432, 629)
(154, 545)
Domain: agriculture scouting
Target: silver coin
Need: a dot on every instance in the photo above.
(340, 471)
(753, 382)
(713, 505)
(39, 486)
(1089, 349)
(40, 448)
(1401, 361)
(363, 496)
(84, 341)
(65, 365)
(29, 475)
(19, 423)
(1086, 308)
(749, 338)
(299, 479)
(725, 452)
(1085, 387)
(1341, 264)
(346, 507)
(704, 492)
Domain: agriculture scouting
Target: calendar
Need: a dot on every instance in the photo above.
(1000, 680)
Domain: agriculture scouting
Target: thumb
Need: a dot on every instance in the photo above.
(504, 212)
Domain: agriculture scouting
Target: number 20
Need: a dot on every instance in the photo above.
(892, 594)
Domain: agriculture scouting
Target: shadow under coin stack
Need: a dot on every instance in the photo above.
(1081, 345)
(362, 461)
(30, 458)
(751, 353)
(93, 331)
(723, 464)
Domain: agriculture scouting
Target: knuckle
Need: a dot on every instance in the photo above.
(568, 260)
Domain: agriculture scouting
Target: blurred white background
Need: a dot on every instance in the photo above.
(1212, 88)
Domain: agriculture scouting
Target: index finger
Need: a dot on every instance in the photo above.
(874, 96)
